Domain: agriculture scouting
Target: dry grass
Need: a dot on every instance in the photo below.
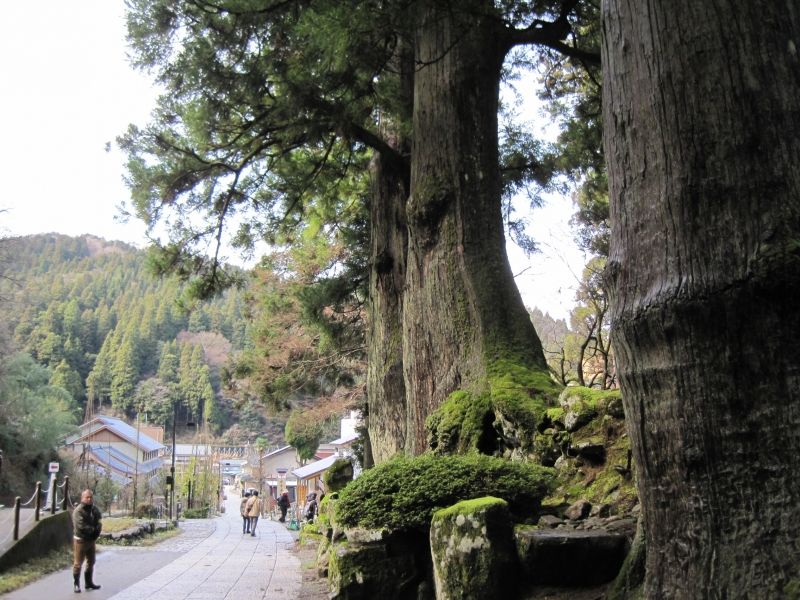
(21, 575)
(116, 524)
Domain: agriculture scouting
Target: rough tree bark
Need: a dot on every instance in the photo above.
(462, 310)
(702, 116)
(385, 385)
(386, 391)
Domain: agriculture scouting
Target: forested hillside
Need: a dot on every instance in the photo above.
(114, 336)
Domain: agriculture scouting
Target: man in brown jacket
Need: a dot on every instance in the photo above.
(86, 527)
(253, 508)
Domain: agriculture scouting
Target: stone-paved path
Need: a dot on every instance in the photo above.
(225, 564)
(211, 559)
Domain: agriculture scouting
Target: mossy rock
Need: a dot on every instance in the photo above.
(498, 417)
(391, 568)
(338, 475)
(403, 493)
(473, 550)
(581, 405)
(323, 521)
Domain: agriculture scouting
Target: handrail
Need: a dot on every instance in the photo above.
(65, 485)
(16, 518)
(37, 500)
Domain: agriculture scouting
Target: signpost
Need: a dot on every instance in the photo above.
(52, 468)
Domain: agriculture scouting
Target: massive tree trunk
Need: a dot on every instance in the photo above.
(462, 310)
(385, 385)
(386, 391)
(702, 115)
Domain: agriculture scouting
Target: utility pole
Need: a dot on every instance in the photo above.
(136, 467)
(172, 468)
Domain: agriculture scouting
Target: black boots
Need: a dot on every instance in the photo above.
(77, 580)
(90, 585)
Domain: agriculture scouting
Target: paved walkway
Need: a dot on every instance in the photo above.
(211, 559)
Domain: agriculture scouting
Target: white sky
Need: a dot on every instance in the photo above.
(67, 90)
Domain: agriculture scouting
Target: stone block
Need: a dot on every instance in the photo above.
(473, 551)
(568, 557)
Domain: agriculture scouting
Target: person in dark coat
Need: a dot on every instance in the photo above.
(310, 510)
(86, 528)
(243, 512)
(283, 504)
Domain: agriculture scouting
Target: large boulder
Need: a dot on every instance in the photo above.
(473, 550)
(370, 564)
(570, 557)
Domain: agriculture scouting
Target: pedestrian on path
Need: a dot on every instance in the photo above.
(283, 504)
(86, 527)
(243, 512)
(253, 511)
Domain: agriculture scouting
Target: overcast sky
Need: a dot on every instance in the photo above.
(68, 90)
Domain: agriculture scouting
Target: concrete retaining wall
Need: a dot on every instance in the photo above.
(49, 533)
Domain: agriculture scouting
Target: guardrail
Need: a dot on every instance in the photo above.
(36, 501)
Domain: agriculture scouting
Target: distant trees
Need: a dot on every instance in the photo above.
(89, 310)
(35, 416)
(580, 352)
(304, 433)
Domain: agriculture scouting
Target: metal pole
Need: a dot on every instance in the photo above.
(136, 468)
(65, 501)
(38, 499)
(53, 498)
(17, 501)
(172, 468)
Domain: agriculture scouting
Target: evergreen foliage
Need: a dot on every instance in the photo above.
(89, 310)
(35, 416)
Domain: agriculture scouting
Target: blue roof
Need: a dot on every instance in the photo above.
(120, 461)
(124, 430)
(115, 477)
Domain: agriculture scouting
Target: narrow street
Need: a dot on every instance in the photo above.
(210, 560)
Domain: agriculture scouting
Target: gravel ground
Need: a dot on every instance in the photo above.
(313, 586)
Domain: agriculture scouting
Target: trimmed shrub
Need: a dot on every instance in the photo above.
(196, 513)
(145, 511)
(403, 493)
(338, 475)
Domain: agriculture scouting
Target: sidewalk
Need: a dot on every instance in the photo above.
(211, 560)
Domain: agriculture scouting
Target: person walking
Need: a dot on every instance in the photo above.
(243, 512)
(253, 511)
(283, 504)
(310, 510)
(86, 528)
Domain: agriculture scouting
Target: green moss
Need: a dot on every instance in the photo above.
(466, 507)
(555, 414)
(593, 398)
(403, 493)
(338, 474)
(310, 531)
(509, 404)
(791, 591)
(459, 425)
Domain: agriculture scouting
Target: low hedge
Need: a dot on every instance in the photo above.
(196, 513)
(403, 493)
